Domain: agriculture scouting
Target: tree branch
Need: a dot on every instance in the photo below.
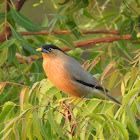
(7, 33)
(99, 40)
(24, 59)
(19, 4)
(116, 32)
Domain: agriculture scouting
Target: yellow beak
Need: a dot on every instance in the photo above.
(39, 50)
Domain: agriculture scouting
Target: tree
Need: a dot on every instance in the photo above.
(109, 33)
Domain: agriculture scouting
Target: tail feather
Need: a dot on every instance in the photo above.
(113, 99)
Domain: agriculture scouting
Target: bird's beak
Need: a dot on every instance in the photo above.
(39, 50)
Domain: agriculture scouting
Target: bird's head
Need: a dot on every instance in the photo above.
(50, 50)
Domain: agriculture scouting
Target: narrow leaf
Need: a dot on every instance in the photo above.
(73, 27)
(130, 94)
(24, 44)
(90, 107)
(6, 134)
(36, 126)
(24, 95)
(96, 60)
(4, 56)
(112, 80)
(14, 120)
(6, 44)
(54, 125)
(24, 129)
(132, 119)
(12, 52)
(110, 65)
(138, 106)
(8, 107)
(25, 22)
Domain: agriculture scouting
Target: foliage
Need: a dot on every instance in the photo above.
(29, 103)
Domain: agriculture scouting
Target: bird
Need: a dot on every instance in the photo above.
(68, 75)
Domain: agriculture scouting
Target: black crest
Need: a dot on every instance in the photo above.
(50, 46)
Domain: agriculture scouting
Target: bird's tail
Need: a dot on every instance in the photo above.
(113, 99)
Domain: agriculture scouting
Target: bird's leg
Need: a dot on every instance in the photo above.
(74, 99)
(61, 101)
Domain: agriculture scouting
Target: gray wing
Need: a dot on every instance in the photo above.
(77, 72)
(80, 75)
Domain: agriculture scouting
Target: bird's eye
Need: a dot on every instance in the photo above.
(50, 49)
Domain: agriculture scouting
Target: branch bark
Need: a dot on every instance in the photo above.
(19, 4)
(7, 33)
(115, 32)
(99, 40)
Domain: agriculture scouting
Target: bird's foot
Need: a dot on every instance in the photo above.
(62, 103)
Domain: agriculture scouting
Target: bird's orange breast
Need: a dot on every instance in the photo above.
(54, 69)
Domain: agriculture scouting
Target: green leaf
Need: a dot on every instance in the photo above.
(12, 52)
(6, 135)
(132, 78)
(5, 15)
(24, 129)
(4, 56)
(36, 126)
(112, 80)
(132, 120)
(90, 107)
(6, 44)
(30, 127)
(73, 27)
(67, 40)
(25, 22)
(122, 45)
(14, 120)
(121, 130)
(138, 106)
(23, 43)
(98, 130)
(87, 14)
(43, 130)
(123, 25)
(130, 94)
(3, 96)
(54, 125)
(106, 107)
(5, 114)
(132, 29)
(48, 129)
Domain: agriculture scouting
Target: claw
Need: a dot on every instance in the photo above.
(62, 102)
